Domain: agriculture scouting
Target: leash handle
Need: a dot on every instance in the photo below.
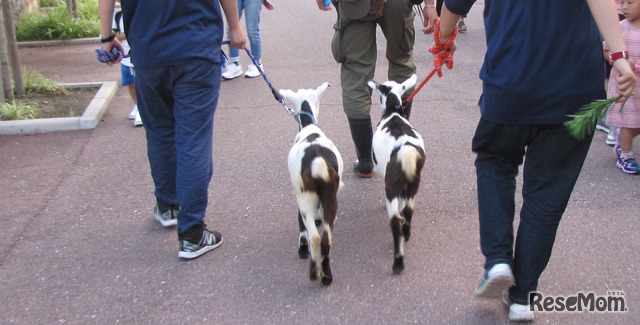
(441, 56)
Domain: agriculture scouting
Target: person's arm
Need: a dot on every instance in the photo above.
(430, 16)
(106, 8)
(608, 23)
(236, 34)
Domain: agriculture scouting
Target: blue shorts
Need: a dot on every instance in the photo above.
(128, 75)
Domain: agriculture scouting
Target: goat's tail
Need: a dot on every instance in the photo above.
(320, 169)
(412, 159)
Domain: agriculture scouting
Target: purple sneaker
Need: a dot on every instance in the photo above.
(628, 165)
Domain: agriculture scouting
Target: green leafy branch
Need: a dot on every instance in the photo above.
(584, 122)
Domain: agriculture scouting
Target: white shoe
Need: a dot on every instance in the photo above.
(133, 113)
(252, 71)
(517, 312)
(137, 120)
(233, 70)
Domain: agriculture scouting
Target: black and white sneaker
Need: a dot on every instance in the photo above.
(167, 218)
(210, 240)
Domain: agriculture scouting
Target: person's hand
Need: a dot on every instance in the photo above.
(237, 38)
(623, 72)
(431, 18)
(109, 45)
(321, 5)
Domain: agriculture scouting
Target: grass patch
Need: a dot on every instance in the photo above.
(52, 22)
(17, 111)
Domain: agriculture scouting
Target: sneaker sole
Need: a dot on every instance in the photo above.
(203, 250)
(164, 223)
(495, 287)
(626, 171)
(232, 77)
(517, 317)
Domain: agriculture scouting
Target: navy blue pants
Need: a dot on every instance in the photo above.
(177, 105)
(552, 162)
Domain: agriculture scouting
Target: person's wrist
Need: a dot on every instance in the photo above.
(108, 39)
(614, 56)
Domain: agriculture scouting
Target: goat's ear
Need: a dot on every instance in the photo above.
(288, 94)
(321, 89)
(409, 82)
(374, 85)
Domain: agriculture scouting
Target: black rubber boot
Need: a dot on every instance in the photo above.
(362, 134)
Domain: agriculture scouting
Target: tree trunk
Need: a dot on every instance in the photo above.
(4, 64)
(12, 48)
(72, 8)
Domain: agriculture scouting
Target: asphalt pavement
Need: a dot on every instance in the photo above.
(79, 244)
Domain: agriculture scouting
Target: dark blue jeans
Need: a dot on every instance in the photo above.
(552, 162)
(177, 105)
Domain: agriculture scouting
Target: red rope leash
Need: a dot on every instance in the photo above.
(441, 56)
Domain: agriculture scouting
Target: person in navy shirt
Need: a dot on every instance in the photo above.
(176, 49)
(543, 62)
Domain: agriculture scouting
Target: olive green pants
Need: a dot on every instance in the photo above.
(354, 46)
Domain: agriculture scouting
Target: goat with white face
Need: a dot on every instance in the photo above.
(398, 155)
(315, 166)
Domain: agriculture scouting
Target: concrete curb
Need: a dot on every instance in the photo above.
(75, 41)
(89, 119)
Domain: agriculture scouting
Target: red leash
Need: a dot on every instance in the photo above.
(441, 56)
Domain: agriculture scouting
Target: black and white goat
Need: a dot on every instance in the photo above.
(398, 154)
(316, 168)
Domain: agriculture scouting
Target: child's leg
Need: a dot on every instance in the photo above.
(626, 138)
(132, 92)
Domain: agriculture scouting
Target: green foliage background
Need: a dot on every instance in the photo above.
(52, 21)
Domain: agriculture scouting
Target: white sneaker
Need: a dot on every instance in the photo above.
(252, 71)
(137, 120)
(233, 70)
(517, 312)
(133, 113)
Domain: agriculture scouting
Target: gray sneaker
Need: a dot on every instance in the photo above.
(210, 240)
(495, 281)
(167, 217)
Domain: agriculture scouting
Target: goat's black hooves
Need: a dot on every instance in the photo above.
(326, 280)
(313, 274)
(303, 251)
(398, 265)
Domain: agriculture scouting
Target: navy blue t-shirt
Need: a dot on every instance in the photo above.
(544, 59)
(167, 32)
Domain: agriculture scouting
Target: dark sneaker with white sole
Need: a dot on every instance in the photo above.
(495, 281)
(210, 240)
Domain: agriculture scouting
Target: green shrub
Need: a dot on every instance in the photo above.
(37, 83)
(54, 23)
(17, 111)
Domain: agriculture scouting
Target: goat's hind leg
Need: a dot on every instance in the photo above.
(303, 248)
(325, 245)
(407, 213)
(398, 243)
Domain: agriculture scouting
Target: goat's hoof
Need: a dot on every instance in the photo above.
(406, 231)
(398, 265)
(313, 273)
(326, 280)
(303, 251)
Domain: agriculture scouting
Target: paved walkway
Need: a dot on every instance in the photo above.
(79, 244)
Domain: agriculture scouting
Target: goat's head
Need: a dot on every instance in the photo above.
(306, 102)
(391, 93)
